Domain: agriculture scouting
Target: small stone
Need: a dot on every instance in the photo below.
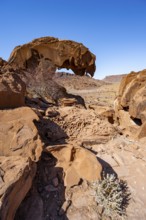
(64, 207)
(55, 181)
(85, 185)
(50, 188)
(100, 209)
(40, 189)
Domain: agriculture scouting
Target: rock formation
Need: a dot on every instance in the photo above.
(61, 53)
(16, 176)
(131, 104)
(50, 149)
(77, 163)
(18, 133)
(26, 79)
(38, 60)
(12, 91)
(89, 127)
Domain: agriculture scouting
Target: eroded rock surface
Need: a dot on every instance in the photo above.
(18, 133)
(77, 164)
(12, 90)
(62, 53)
(130, 106)
(71, 143)
(16, 176)
(82, 125)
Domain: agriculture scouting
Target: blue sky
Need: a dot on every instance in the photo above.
(114, 30)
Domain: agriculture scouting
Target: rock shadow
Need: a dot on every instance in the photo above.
(107, 168)
(79, 99)
(45, 199)
(50, 132)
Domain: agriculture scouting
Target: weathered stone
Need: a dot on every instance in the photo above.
(89, 127)
(12, 91)
(17, 180)
(18, 133)
(68, 102)
(55, 181)
(62, 53)
(132, 100)
(77, 163)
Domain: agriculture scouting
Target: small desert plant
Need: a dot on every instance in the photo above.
(112, 195)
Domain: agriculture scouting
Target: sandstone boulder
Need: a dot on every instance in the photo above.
(18, 133)
(12, 91)
(16, 176)
(77, 163)
(132, 102)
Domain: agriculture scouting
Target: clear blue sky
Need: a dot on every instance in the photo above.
(114, 30)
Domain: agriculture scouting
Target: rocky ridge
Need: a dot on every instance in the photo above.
(75, 82)
(114, 78)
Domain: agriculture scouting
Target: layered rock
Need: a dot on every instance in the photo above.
(18, 133)
(16, 176)
(131, 103)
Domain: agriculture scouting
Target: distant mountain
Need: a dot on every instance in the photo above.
(72, 81)
(114, 78)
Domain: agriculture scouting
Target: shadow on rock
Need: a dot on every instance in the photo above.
(46, 198)
(79, 99)
(107, 169)
(50, 132)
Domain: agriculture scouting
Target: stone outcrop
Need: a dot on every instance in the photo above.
(62, 54)
(18, 133)
(77, 163)
(12, 91)
(131, 103)
(16, 176)
(81, 125)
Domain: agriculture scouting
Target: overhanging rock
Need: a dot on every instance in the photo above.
(62, 53)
